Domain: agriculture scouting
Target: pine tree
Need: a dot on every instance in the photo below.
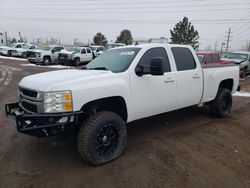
(100, 39)
(184, 33)
(125, 37)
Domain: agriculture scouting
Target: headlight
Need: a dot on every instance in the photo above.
(72, 56)
(60, 101)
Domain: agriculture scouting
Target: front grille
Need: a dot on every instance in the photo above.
(32, 54)
(62, 56)
(29, 107)
(28, 93)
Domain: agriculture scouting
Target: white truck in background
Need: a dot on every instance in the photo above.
(7, 50)
(23, 52)
(75, 56)
(122, 85)
(45, 55)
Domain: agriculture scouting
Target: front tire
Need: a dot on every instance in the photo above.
(77, 62)
(222, 104)
(102, 138)
(46, 60)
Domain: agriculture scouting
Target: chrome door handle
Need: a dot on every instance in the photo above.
(196, 76)
(169, 80)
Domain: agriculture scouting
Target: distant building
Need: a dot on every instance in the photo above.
(3, 39)
(161, 40)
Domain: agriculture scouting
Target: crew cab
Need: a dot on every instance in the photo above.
(75, 56)
(23, 52)
(242, 59)
(7, 50)
(44, 55)
(122, 85)
(97, 50)
(211, 58)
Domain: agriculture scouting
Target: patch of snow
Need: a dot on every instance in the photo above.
(12, 58)
(242, 94)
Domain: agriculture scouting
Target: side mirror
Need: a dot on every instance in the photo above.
(156, 66)
(139, 70)
(97, 50)
(53, 51)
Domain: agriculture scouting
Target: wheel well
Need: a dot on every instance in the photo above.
(228, 84)
(46, 56)
(114, 104)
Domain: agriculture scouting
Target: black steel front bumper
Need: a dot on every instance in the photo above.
(40, 125)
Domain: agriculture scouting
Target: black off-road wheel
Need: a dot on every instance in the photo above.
(46, 60)
(77, 62)
(222, 104)
(102, 138)
(9, 53)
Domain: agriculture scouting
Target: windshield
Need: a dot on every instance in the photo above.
(93, 48)
(25, 46)
(45, 48)
(239, 56)
(116, 60)
(200, 57)
(12, 45)
(73, 49)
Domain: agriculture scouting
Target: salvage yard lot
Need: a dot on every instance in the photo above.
(184, 148)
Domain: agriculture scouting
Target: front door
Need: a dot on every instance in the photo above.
(151, 95)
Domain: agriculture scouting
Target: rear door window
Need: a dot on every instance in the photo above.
(88, 50)
(184, 58)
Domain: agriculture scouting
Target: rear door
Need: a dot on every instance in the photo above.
(189, 77)
(83, 56)
(150, 94)
(55, 53)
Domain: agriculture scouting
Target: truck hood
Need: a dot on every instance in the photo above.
(37, 51)
(66, 52)
(6, 48)
(48, 80)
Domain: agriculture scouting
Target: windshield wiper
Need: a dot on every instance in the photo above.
(96, 68)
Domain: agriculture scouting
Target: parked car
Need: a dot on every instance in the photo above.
(75, 56)
(122, 85)
(7, 50)
(97, 50)
(242, 59)
(114, 45)
(44, 55)
(211, 58)
(23, 52)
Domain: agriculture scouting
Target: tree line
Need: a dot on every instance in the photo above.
(183, 33)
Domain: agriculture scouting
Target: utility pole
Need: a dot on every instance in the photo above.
(221, 49)
(249, 46)
(21, 40)
(59, 41)
(6, 38)
(228, 38)
(215, 45)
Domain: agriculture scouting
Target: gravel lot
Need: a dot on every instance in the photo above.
(184, 148)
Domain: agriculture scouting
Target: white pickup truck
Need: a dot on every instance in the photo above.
(75, 56)
(122, 85)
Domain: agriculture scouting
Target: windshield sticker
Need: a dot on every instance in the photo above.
(127, 53)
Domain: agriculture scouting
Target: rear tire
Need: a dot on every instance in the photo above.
(102, 138)
(222, 104)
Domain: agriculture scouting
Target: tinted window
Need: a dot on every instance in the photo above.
(32, 47)
(58, 49)
(208, 59)
(19, 46)
(154, 53)
(88, 50)
(183, 58)
(83, 51)
(216, 58)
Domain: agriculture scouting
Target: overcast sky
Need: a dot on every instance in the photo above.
(81, 19)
